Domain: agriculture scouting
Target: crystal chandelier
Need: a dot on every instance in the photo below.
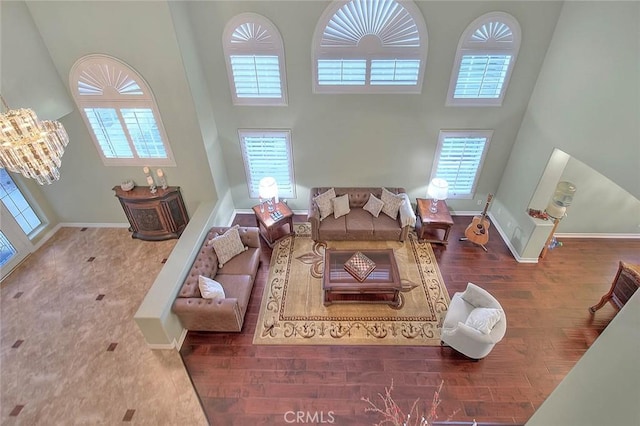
(30, 146)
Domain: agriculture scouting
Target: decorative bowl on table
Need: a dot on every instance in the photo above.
(127, 185)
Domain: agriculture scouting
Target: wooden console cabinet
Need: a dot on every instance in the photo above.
(154, 217)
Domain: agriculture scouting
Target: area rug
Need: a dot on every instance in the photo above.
(292, 310)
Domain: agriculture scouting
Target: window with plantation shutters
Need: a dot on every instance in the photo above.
(268, 153)
(254, 54)
(364, 46)
(459, 159)
(484, 61)
(120, 112)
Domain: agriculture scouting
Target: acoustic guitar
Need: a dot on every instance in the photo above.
(478, 230)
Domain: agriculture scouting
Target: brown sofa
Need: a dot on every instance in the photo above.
(359, 224)
(236, 277)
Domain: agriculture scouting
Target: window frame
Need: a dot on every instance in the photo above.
(18, 208)
(468, 47)
(253, 181)
(444, 134)
(112, 99)
(273, 47)
(369, 51)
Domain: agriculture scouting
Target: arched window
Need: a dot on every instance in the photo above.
(254, 54)
(370, 46)
(486, 55)
(120, 111)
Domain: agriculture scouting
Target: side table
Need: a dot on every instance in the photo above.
(429, 225)
(274, 229)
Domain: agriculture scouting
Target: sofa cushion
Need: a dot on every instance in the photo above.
(237, 287)
(391, 202)
(333, 229)
(227, 245)
(340, 205)
(246, 263)
(360, 224)
(324, 203)
(386, 228)
(210, 289)
(484, 319)
(374, 205)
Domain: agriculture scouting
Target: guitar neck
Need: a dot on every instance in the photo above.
(486, 206)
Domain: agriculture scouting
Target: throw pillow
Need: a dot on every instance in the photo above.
(374, 205)
(391, 202)
(324, 202)
(228, 245)
(210, 289)
(341, 206)
(484, 319)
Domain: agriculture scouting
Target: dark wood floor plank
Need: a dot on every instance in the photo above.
(549, 329)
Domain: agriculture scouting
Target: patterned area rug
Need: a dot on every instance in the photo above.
(292, 312)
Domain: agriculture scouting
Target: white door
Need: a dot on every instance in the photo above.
(14, 243)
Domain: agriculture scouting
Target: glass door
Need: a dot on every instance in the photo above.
(14, 243)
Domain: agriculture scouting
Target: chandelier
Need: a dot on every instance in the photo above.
(30, 146)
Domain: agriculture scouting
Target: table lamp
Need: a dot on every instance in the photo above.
(268, 190)
(438, 190)
(557, 209)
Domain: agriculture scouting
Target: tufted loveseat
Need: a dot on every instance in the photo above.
(359, 224)
(236, 277)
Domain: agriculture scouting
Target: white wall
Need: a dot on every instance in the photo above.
(346, 140)
(585, 103)
(602, 388)
(142, 35)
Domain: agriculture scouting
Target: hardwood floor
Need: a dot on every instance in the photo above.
(549, 329)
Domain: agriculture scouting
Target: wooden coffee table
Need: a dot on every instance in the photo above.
(381, 286)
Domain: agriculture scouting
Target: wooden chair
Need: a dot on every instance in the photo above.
(624, 285)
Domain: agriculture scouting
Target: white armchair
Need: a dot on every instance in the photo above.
(474, 323)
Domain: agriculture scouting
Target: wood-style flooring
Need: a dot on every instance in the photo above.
(549, 329)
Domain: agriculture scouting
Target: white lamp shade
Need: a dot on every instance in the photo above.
(438, 189)
(268, 188)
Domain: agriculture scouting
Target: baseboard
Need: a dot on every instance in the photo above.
(183, 335)
(177, 345)
(506, 241)
(92, 225)
(589, 235)
(46, 237)
(163, 347)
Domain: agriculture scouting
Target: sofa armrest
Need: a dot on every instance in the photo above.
(407, 215)
(468, 333)
(250, 236)
(208, 314)
(313, 215)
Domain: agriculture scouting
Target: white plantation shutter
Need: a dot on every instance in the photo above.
(254, 54)
(395, 72)
(482, 76)
(485, 58)
(348, 60)
(256, 76)
(109, 133)
(143, 130)
(119, 109)
(459, 158)
(268, 153)
(342, 72)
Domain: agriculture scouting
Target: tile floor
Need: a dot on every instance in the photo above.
(70, 352)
